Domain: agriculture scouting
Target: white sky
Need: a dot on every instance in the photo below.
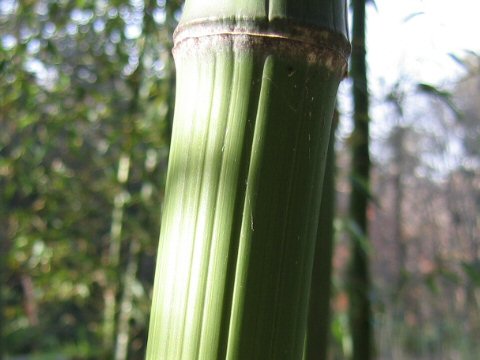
(400, 44)
(409, 42)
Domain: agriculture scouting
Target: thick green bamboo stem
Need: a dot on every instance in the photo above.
(359, 285)
(255, 97)
(319, 307)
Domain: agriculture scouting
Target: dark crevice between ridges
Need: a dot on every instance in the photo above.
(239, 209)
(318, 321)
(284, 240)
(310, 204)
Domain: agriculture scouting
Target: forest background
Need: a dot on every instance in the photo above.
(86, 102)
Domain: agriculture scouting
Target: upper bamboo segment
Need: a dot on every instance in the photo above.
(316, 29)
(326, 14)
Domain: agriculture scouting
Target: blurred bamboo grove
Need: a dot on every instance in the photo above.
(86, 107)
(86, 100)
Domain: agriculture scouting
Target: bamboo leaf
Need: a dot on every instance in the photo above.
(413, 15)
(359, 236)
(363, 187)
(442, 95)
(458, 60)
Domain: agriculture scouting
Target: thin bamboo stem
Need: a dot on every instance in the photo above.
(359, 276)
(113, 256)
(125, 313)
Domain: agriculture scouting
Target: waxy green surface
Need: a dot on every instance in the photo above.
(250, 135)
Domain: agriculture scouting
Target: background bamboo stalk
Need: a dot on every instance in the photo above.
(126, 307)
(359, 276)
(113, 255)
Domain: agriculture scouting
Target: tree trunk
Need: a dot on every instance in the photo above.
(359, 282)
(256, 86)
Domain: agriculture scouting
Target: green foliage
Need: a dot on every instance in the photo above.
(87, 83)
(82, 83)
(472, 270)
